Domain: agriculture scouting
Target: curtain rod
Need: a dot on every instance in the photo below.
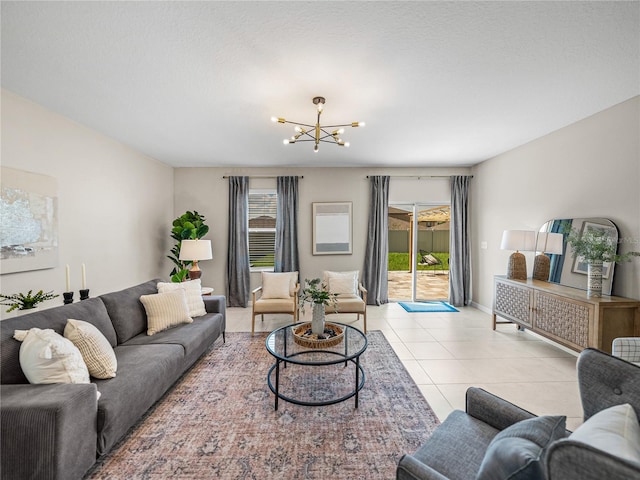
(266, 176)
(420, 176)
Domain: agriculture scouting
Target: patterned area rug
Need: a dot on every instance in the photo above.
(219, 422)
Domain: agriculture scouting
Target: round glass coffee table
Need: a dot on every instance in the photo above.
(311, 376)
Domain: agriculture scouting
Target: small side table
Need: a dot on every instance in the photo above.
(207, 291)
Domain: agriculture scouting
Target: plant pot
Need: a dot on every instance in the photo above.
(594, 281)
(317, 321)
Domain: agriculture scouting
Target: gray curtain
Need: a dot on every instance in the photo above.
(374, 276)
(460, 251)
(238, 279)
(286, 255)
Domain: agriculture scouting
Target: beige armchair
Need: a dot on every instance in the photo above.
(277, 294)
(352, 296)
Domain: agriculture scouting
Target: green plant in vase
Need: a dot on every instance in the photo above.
(20, 301)
(596, 246)
(188, 226)
(317, 294)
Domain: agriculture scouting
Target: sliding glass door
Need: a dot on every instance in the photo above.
(418, 252)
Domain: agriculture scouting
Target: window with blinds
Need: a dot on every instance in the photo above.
(262, 228)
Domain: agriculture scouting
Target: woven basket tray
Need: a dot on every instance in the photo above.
(312, 340)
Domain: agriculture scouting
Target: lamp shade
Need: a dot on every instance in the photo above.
(524, 240)
(549, 243)
(195, 250)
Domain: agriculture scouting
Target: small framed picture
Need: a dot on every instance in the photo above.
(580, 265)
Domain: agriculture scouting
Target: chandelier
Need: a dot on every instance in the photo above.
(317, 133)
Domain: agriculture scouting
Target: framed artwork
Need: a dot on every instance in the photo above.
(28, 221)
(580, 265)
(332, 228)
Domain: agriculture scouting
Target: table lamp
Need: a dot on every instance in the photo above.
(517, 240)
(546, 243)
(194, 250)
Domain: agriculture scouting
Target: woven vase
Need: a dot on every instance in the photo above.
(594, 282)
(317, 321)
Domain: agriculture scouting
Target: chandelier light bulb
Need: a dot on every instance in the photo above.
(298, 129)
(346, 144)
(285, 141)
(274, 119)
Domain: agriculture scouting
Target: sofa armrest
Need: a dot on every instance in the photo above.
(410, 468)
(606, 381)
(48, 431)
(494, 410)
(215, 304)
(569, 460)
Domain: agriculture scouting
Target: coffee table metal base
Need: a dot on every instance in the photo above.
(358, 384)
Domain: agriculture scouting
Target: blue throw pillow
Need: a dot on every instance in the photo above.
(516, 452)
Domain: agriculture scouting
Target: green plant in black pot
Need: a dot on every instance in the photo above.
(20, 301)
(189, 226)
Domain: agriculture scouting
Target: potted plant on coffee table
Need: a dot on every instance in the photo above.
(317, 294)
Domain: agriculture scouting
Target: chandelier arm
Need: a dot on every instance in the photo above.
(298, 123)
(334, 126)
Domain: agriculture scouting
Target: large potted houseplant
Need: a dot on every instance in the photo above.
(317, 294)
(188, 226)
(596, 246)
(20, 301)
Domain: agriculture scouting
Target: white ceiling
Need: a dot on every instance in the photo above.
(438, 83)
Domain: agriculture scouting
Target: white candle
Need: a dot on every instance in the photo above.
(68, 272)
(84, 277)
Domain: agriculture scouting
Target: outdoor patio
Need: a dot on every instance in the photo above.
(430, 285)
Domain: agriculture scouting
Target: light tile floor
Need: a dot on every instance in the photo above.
(446, 353)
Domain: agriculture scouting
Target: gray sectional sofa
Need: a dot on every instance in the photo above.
(456, 448)
(57, 431)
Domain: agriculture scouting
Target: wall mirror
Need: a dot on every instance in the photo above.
(572, 272)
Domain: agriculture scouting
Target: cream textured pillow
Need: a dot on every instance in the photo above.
(345, 283)
(614, 430)
(276, 285)
(193, 291)
(165, 310)
(48, 357)
(94, 347)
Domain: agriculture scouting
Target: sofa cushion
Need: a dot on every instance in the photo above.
(517, 451)
(94, 347)
(276, 285)
(193, 290)
(48, 357)
(165, 310)
(614, 430)
(126, 310)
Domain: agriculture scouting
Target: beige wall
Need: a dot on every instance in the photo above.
(587, 169)
(205, 190)
(114, 204)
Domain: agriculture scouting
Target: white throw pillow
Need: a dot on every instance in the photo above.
(345, 283)
(94, 347)
(614, 430)
(193, 291)
(276, 284)
(48, 357)
(165, 310)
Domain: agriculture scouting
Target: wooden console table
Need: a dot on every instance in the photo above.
(565, 315)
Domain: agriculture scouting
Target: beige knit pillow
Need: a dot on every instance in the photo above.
(193, 291)
(94, 348)
(165, 310)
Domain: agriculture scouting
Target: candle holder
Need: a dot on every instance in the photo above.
(84, 293)
(68, 297)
